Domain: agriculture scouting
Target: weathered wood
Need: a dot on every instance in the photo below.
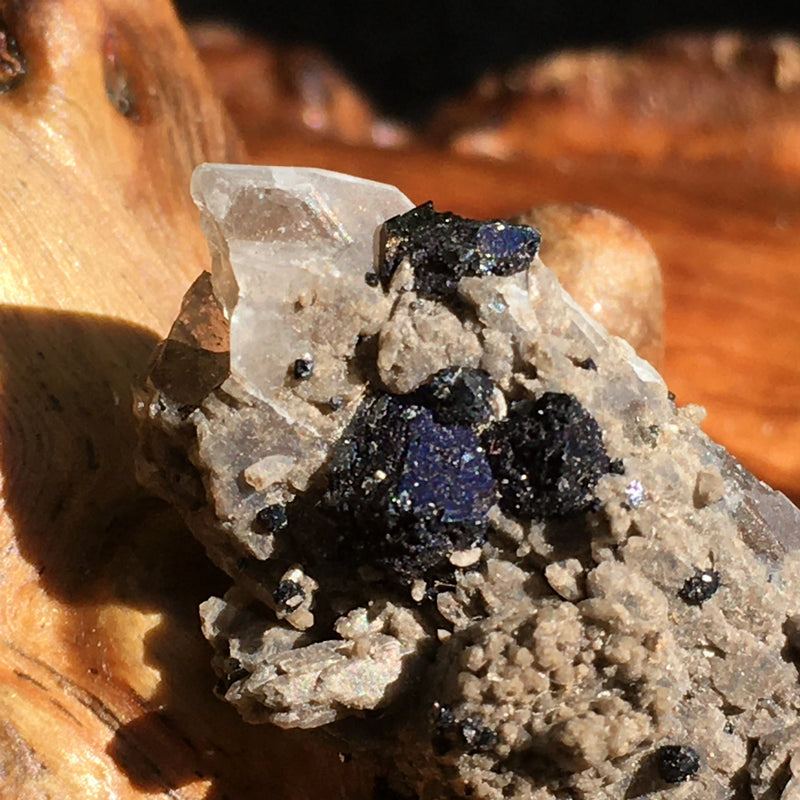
(105, 688)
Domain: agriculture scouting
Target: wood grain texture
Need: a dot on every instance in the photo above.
(105, 684)
(104, 111)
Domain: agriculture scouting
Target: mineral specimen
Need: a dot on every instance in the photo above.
(676, 763)
(443, 248)
(446, 493)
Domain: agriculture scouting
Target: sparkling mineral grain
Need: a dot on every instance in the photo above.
(445, 493)
(676, 763)
(443, 248)
(700, 587)
(548, 456)
(408, 490)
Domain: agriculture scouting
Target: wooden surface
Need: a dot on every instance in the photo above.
(105, 684)
(104, 110)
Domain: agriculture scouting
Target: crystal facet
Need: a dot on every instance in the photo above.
(443, 248)
(278, 237)
(411, 489)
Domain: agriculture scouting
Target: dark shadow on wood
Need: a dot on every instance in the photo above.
(97, 540)
(67, 433)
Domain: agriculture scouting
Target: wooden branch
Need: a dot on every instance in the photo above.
(105, 688)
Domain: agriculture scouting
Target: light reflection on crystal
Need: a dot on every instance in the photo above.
(277, 234)
(635, 493)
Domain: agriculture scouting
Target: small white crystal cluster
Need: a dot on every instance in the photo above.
(558, 658)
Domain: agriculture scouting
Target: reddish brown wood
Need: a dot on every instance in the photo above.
(105, 684)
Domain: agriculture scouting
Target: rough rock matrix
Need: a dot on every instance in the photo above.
(465, 526)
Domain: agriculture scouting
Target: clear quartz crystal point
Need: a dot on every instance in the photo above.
(277, 235)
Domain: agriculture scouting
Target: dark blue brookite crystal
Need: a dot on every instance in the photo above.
(547, 456)
(442, 248)
(412, 488)
(415, 475)
(458, 396)
(677, 763)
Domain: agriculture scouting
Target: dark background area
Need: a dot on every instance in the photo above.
(408, 55)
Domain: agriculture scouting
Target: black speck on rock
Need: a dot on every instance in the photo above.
(700, 587)
(677, 763)
(407, 489)
(288, 595)
(442, 248)
(303, 369)
(477, 737)
(547, 457)
(233, 672)
(616, 467)
(272, 519)
(458, 396)
(586, 363)
(469, 733)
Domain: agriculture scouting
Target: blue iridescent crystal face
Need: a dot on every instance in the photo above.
(499, 245)
(442, 248)
(445, 475)
(411, 480)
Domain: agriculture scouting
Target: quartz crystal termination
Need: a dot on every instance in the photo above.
(471, 509)
(282, 237)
